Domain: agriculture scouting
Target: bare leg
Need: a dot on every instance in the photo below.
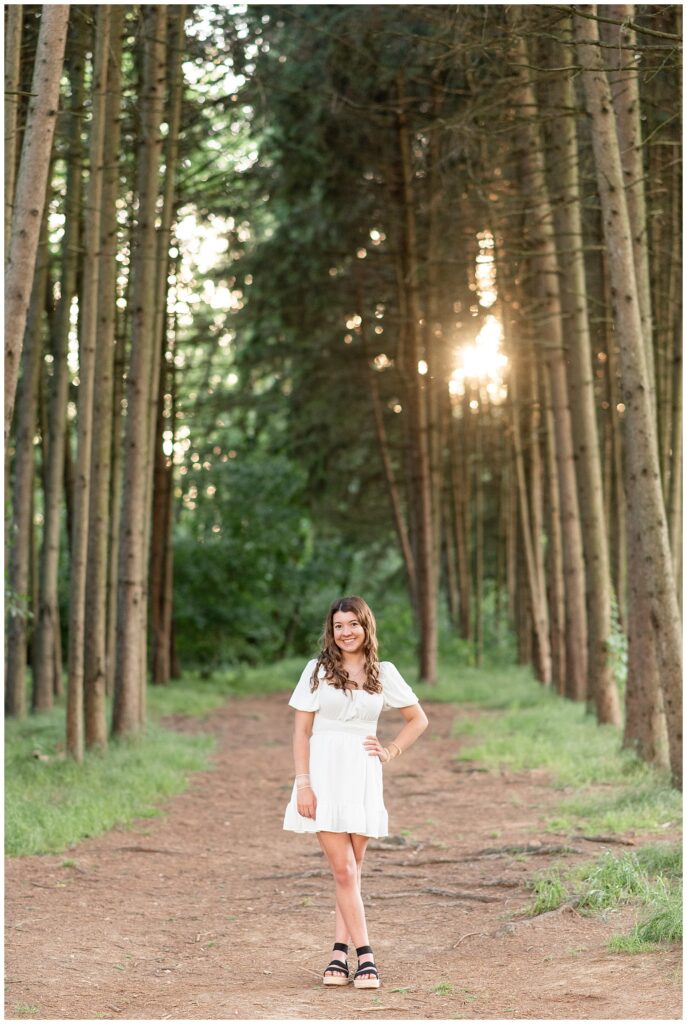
(345, 855)
(341, 933)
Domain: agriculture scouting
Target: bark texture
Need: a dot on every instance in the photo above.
(547, 316)
(132, 585)
(95, 679)
(13, 31)
(22, 525)
(29, 196)
(646, 509)
(87, 351)
(47, 659)
(568, 224)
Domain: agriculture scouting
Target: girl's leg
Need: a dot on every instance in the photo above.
(345, 854)
(359, 843)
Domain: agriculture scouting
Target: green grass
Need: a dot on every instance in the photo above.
(526, 727)
(650, 878)
(549, 892)
(494, 688)
(646, 806)
(197, 693)
(51, 804)
(443, 988)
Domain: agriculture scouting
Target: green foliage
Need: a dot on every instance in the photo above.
(50, 804)
(650, 877)
(243, 553)
(549, 892)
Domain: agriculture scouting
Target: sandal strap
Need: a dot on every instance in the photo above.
(337, 965)
(363, 949)
(366, 969)
(343, 946)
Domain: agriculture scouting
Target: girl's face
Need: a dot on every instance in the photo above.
(349, 635)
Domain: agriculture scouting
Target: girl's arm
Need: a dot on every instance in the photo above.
(302, 730)
(416, 723)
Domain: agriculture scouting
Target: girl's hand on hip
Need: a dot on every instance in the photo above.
(375, 748)
(307, 803)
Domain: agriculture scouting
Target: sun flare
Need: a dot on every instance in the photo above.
(483, 363)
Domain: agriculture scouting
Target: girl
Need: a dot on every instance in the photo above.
(337, 792)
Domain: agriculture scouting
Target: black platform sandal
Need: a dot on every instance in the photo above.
(341, 977)
(366, 968)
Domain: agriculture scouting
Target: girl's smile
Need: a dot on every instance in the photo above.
(349, 635)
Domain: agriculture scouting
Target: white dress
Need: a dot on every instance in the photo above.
(346, 780)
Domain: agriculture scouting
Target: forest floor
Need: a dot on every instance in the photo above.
(212, 911)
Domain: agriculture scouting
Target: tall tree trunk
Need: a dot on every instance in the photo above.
(160, 541)
(133, 569)
(647, 517)
(624, 82)
(417, 391)
(618, 531)
(167, 596)
(22, 492)
(116, 484)
(385, 455)
(568, 224)
(536, 486)
(544, 262)
(537, 600)
(675, 498)
(88, 317)
(29, 196)
(157, 534)
(95, 679)
(450, 561)
(15, 13)
(670, 443)
(511, 501)
(554, 549)
(47, 660)
(479, 534)
(456, 455)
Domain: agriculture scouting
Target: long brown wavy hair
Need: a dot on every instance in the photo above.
(331, 656)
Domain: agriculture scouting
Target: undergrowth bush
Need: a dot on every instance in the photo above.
(650, 877)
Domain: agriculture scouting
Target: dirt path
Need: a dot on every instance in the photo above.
(183, 917)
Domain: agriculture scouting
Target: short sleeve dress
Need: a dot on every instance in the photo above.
(346, 780)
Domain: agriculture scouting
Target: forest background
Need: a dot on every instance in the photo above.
(306, 300)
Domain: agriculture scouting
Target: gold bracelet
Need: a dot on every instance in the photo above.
(388, 755)
(395, 744)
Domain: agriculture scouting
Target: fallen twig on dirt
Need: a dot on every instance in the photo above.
(618, 840)
(466, 936)
(531, 848)
(460, 895)
(146, 849)
(294, 874)
(508, 929)
(373, 1009)
(433, 892)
